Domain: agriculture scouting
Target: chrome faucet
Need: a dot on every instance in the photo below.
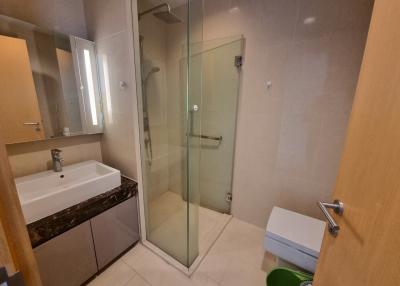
(57, 160)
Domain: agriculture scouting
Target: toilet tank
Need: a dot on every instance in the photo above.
(294, 237)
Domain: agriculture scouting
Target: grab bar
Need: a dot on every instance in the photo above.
(194, 109)
(338, 207)
(215, 138)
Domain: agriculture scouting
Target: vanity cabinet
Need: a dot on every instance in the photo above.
(68, 259)
(75, 256)
(114, 231)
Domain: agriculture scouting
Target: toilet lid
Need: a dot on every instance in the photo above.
(296, 230)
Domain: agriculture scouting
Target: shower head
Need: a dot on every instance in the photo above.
(167, 16)
(153, 70)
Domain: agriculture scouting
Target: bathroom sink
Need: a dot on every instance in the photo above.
(48, 192)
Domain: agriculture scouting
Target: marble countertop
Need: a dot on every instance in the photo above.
(46, 228)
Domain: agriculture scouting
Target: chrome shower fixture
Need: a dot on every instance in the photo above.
(153, 70)
(166, 16)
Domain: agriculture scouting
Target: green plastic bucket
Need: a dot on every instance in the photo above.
(287, 277)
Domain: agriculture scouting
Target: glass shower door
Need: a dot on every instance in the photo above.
(187, 120)
(193, 111)
(169, 112)
(221, 67)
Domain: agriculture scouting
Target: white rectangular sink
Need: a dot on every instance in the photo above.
(48, 192)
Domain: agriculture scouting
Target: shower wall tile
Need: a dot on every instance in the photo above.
(290, 136)
(157, 177)
(175, 92)
(155, 55)
(154, 42)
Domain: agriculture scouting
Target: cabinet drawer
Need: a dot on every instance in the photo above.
(115, 230)
(68, 259)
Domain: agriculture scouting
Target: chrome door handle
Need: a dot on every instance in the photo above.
(338, 207)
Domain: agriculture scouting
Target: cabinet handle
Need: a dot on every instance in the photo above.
(37, 124)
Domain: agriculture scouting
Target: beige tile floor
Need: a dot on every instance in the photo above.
(236, 258)
(168, 225)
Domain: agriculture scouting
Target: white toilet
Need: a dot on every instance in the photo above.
(294, 237)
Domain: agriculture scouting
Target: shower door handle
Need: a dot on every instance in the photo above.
(338, 207)
(194, 109)
(215, 138)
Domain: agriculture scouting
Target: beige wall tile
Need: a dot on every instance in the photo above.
(107, 27)
(290, 136)
(33, 157)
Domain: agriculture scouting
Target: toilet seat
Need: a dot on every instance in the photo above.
(294, 237)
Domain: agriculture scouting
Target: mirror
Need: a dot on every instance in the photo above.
(65, 83)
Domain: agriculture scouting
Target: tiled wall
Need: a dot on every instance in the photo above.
(154, 41)
(290, 135)
(33, 157)
(301, 63)
(107, 25)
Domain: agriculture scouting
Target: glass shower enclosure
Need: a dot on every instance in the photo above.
(187, 105)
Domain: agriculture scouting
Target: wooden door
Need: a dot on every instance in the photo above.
(16, 252)
(366, 251)
(19, 109)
